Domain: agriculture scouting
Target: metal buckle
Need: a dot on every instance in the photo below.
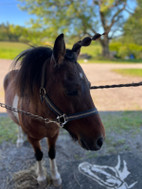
(62, 120)
(42, 93)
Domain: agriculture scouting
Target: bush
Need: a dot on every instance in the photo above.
(124, 50)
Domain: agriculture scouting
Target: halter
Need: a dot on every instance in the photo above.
(61, 117)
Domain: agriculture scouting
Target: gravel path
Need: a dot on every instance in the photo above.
(114, 99)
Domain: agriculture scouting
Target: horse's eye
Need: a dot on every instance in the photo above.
(71, 91)
(71, 88)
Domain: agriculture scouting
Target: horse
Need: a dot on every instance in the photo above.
(50, 83)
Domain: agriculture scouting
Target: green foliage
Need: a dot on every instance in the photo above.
(133, 26)
(77, 18)
(124, 50)
(129, 72)
(70, 17)
(6, 33)
(17, 33)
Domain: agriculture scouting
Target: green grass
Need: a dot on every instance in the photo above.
(93, 50)
(8, 130)
(9, 50)
(121, 127)
(117, 123)
(120, 122)
(129, 72)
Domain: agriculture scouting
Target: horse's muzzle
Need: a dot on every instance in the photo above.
(92, 145)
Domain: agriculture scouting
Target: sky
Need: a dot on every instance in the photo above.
(11, 13)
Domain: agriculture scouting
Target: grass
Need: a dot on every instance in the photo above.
(8, 130)
(117, 123)
(9, 50)
(129, 72)
(93, 50)
(123, 121)
(121, 128)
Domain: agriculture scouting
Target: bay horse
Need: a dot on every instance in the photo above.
(50, 83)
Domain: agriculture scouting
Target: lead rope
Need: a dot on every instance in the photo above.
(35, 116)
(117, 86)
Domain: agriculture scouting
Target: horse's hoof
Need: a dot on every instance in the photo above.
(41, 180)
(19, 143)
(57, 182)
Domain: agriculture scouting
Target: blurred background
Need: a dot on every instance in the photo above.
(113, 59)
(38, 22)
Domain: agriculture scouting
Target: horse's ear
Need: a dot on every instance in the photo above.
(85, 42)
(76, 48)
(59, 50)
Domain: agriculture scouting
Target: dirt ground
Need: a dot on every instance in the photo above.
(69, 154)
(17, 165)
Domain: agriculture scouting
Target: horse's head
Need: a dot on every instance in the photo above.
(69, 89)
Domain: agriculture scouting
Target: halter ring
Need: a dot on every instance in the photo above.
(62, 120)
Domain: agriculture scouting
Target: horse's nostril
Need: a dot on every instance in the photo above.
(91, 144)
(100, 142)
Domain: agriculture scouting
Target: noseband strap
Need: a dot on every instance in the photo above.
(61, 118)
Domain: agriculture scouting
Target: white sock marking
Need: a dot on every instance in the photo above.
(54, 170)
(40, 172)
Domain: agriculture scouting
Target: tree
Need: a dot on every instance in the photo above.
(7, 34)
(78, 18)
(133, 26)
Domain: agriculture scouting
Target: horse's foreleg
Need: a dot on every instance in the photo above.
(55, 175)
(20, 137)
(41, 178)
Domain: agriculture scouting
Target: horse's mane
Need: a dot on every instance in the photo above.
(30, 63)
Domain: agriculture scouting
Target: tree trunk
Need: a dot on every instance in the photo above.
(105, 47)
